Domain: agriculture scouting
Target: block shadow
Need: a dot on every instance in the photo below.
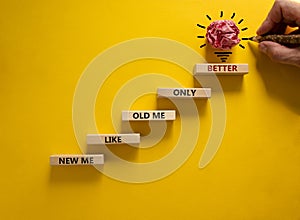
(228, 83)
(173, 103)
(74, 174)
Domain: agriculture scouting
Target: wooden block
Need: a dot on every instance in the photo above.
(220, 69)
(163, 115)
(184, 92)
(92, 139)
(71, 160)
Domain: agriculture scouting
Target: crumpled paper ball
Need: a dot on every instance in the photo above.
(223, 34)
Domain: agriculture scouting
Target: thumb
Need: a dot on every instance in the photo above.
(280, 53)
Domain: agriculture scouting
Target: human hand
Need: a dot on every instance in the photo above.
(284, 13)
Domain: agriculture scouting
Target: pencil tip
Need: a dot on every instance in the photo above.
(254, 38)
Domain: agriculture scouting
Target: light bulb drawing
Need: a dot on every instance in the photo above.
(222, 34)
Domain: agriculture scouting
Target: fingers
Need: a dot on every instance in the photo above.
(282, 14)
(281, 54)
(266, 26)
(273, 19)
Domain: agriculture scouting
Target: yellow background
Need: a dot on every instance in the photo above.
(44, 48)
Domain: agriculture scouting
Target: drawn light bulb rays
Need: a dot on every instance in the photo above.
(223, 55)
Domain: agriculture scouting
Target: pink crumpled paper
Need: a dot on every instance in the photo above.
(223, 34)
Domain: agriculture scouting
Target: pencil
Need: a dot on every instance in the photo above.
(281, 39)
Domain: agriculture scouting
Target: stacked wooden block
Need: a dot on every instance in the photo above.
(148, 115)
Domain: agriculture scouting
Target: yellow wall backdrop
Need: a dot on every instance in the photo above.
(45, 47)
